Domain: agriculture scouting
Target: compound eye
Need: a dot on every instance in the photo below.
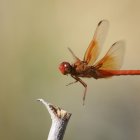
(65, 65)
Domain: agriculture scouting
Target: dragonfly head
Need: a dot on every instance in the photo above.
(65, 68)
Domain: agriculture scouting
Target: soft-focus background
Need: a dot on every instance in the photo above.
(34, 36)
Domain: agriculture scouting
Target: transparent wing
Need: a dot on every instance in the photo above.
(96, 43)
(113, 58)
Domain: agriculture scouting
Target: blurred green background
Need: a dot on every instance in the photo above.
(34, 36)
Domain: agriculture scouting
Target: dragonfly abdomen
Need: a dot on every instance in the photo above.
(107, 73)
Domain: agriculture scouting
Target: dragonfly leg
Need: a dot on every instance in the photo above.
(74, 56)
(85, 91)
(72, 83)
(84, 84)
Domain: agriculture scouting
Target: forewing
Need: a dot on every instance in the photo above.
(113, 58)
(96, 43)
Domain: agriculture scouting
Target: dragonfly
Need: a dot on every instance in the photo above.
(89, 67)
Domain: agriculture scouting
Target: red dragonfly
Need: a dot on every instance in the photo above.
(108, 66)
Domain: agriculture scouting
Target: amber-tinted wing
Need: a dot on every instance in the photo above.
(113, 58)
(96, 43)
